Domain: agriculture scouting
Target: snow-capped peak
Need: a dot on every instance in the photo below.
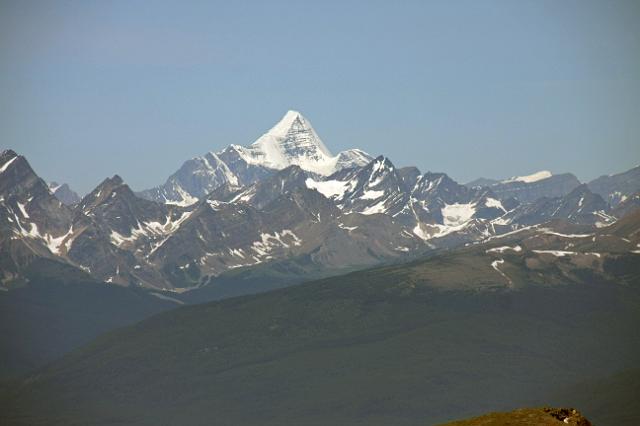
(293, 141)
(543, 174)
(295, 126)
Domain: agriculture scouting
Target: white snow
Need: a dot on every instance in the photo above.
(502, 220)
(22, 209)
(53, 188)
(376, 208)
(7, 164)
(557, 253)
(151, 229)
(372, 195)
(495, 265)
(560, 253)
(420, 233)
(118, 239)
(330, 188)
(269, 241)
(187, 199)
(348, 228)
(492, 202)
(293, 141)
(504, 249)
(220, 168)
(215, 204)
(544, 174)
(457, 214)
(550, 232)
(55, 243)
(506, 234)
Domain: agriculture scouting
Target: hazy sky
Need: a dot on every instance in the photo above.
(472, 88)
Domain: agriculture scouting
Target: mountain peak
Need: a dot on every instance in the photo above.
(291, 141)
(534, 177)
(8, 153)
(294, 135)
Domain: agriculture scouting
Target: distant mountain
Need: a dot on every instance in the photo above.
(616, 188)
(119, 238)
(527, 189)
(61, 309)
(481, 182)
(580, 206)
(33, 222)
(500, 324)
(292, 141)
(64, 193)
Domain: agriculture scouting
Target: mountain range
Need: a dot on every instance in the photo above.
(284, 198)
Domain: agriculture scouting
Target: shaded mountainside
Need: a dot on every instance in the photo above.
(61, 309)
(64, 193)
(618, 187)
(409, 344)
(527, 189)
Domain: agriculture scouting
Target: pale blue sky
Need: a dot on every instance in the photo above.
(472, 88)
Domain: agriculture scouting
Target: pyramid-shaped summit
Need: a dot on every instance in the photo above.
(293, 141)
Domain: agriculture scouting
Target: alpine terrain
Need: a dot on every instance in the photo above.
(417, 299)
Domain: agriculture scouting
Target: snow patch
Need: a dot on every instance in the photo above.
(372, 195)
(376, 208)
(557, 253)
(22, 209)
(6, 165)
(495, 265)
(457, 214)
(544, 174)
(330, 188)
(492, 202)
(186, 198)
(504, 249)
